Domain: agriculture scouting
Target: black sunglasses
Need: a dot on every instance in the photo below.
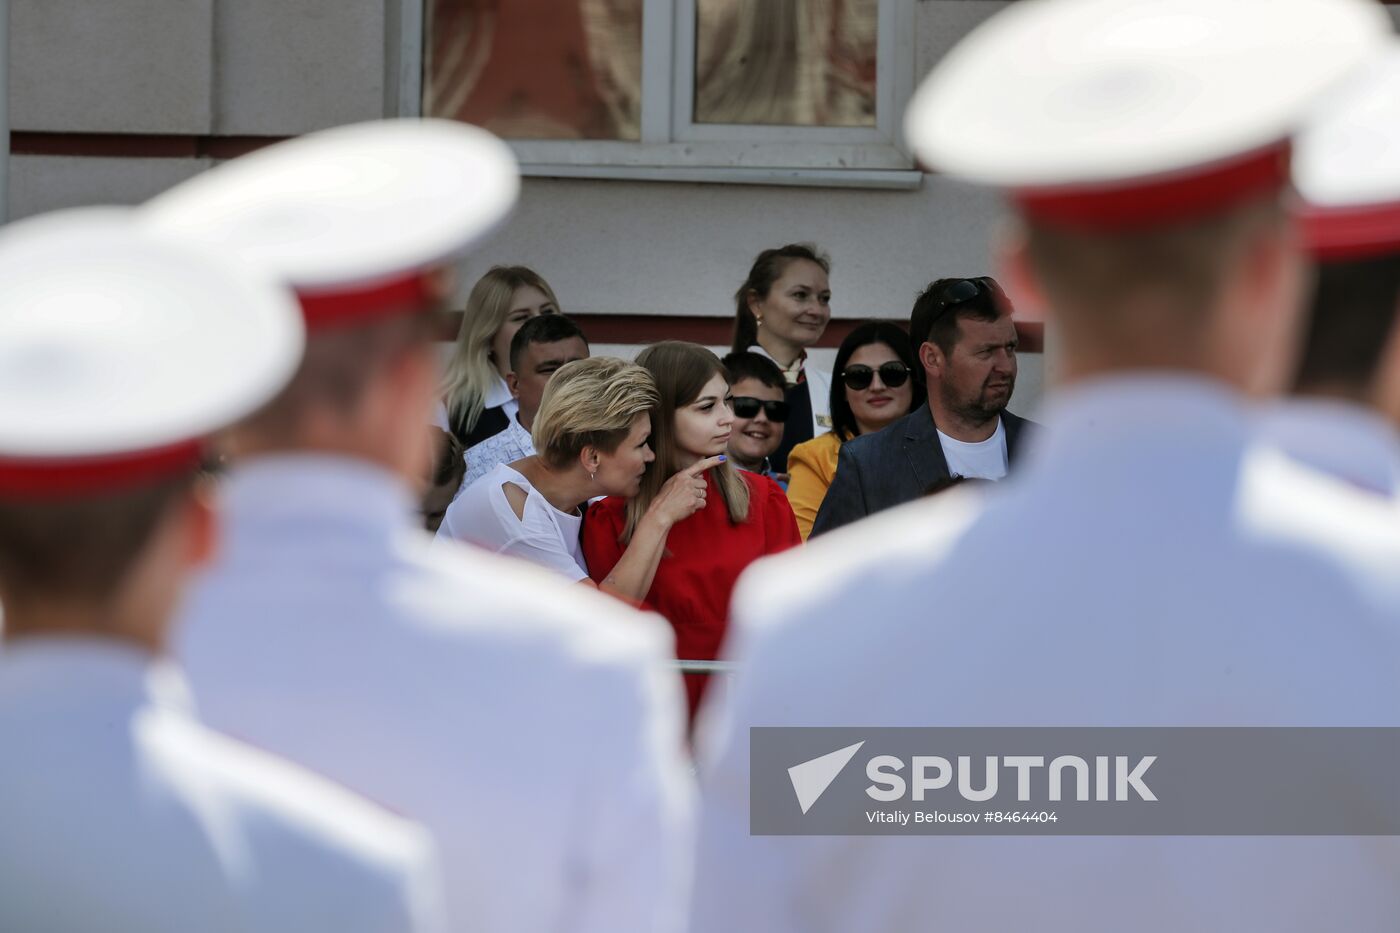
(965, 290)
(748, 407)
(893, 374)
(961, 291)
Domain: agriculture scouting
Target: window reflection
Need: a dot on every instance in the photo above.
(536, 69)
(786, 62)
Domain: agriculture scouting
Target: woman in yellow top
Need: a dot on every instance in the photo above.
(874, 386)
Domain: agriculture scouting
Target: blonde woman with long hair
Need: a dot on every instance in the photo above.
(739, 516)
(592, 435)
(476, 402)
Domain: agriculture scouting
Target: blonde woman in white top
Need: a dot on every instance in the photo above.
(476, 403)
(593, 438)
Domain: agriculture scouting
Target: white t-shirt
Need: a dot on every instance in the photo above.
(543, 535)
(980, 460)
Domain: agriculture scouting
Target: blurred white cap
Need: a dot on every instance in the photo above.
(121, 351)
(1124, 113)
(1346, 167)
(360, 219)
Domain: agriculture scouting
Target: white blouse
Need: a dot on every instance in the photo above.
(542, 534)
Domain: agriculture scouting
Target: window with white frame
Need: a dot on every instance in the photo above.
(769, 91)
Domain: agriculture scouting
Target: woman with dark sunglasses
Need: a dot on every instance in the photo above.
(874, 386)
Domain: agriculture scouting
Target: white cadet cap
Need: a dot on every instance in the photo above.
(1116, 114)
(1346, 167)
(359, 219)
(121, 351)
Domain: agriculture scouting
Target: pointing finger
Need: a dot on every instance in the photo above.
(709, 463)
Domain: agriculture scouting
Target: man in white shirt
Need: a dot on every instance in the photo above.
(118, 809)
(533, 727)
(1144, 567)
(541, 345)
(967, 347)
(1341, 417)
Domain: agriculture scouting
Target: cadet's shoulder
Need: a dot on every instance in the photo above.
(1286, 504)
(277, 807)
(463, 595)
(903, 543)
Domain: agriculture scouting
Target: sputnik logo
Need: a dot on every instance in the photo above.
(811, 778)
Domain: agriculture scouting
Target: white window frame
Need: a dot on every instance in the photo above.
(673, 148)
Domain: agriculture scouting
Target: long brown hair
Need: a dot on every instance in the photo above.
(680, 371)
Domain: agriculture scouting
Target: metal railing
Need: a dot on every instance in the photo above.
(705, 667)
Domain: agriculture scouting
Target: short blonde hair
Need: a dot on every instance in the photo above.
(590, 403)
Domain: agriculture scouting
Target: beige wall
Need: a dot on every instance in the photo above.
(225, 67)
(181, 68)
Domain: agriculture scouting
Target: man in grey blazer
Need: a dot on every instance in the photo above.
(968, 353)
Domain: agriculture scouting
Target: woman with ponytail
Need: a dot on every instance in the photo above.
(781, 310)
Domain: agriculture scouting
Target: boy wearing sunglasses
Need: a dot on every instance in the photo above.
(760, 410)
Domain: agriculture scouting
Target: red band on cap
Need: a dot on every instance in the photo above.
(1147, 203)
(353, 305)
(1339, 234)
(52, 476)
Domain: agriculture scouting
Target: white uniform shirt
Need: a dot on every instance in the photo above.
(1132, 573)
(977, 459)
(531, 724)
(1345, 440)
(512, 444)
(118, 811)
(542, 534)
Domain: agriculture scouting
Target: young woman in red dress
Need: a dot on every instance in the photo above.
(739, 516)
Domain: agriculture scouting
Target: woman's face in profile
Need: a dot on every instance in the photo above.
(703, 427)
(620, 472)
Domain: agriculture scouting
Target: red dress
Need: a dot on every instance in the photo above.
(703, 559)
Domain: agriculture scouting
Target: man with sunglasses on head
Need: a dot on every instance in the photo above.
(967, 348)
(760, 410)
